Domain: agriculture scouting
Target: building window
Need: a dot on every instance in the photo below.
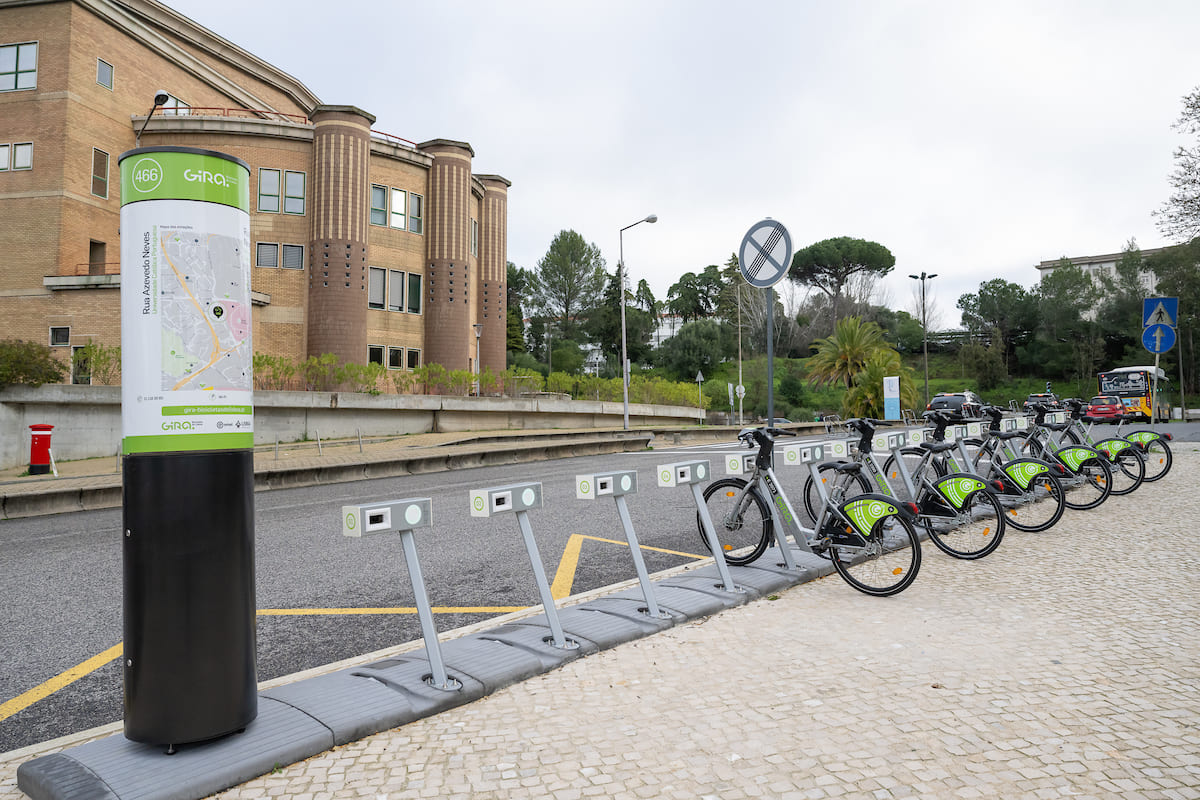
(18, 66)
(416, 212)
(376, 283)
(474, 237)
(81, 368)
(60, 337)
(104, 73)
(293, 256)
(398, 209)
(268, 190)
(174, 107)
(5, 155)
(379, 205)
(99, 173)
(395, 290)
(374, 354)
(414, 358)
(267, 255)
(414, 293)
(293, 192)
(96, 257)
(22, 155)
(395, 358)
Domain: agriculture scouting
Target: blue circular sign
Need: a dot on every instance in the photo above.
(1158, 338)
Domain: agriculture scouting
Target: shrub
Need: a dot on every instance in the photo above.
(103, 363)
(28, 364)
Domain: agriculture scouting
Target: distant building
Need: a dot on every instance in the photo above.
(1101, 266)
(364, 245)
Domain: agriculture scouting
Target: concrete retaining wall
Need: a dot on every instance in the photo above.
(87, 419)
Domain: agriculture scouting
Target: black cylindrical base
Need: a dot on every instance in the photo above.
(39, 469)
(189, 602)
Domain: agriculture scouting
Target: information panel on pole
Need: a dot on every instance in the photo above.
(186, 363)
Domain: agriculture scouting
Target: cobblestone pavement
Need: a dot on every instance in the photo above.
(1065, 664)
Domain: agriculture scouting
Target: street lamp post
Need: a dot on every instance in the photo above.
(160, 98)
(924, 327)
(621, 280)
(478, 332)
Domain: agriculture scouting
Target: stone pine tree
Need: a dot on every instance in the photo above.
(830, 265)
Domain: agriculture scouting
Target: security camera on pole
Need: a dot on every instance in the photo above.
(764, 258)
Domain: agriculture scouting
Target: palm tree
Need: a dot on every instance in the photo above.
(865, 398)
(842, 356)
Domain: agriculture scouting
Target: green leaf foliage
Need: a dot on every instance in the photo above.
(28, 364)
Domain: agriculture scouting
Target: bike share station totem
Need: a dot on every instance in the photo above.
(187, 424)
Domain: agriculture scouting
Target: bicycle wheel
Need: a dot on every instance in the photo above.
(1039, 507)
(741, 520)
(855, 485)
(912, 460)
(1088, 486)
(973, 532)
(887, 565)
(1128, 471)
(1158, 459)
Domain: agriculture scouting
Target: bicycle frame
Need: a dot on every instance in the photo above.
(785, 522)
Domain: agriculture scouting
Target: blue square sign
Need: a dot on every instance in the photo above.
(1160, 311)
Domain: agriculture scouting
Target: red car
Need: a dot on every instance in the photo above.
(1105, 408)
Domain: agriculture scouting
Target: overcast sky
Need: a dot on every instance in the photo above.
(971, 139)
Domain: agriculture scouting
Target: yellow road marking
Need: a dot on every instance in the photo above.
(645, 547)
(564, 578)
(26, 699)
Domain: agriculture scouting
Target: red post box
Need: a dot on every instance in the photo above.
(39, 449)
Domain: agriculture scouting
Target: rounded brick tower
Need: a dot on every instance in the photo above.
(337, 270)
(449, 339)
(490, 305)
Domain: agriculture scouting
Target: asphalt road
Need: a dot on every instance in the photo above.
(60, 576)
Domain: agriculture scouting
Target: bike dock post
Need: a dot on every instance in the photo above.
(692, 474)
(617, 485)
(403, 517)
(895, 442)
(519, 498)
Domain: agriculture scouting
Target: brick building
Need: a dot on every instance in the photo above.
(364, 245)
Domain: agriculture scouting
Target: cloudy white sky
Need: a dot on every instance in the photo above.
(972, 139)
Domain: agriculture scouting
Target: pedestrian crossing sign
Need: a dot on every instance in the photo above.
(1160, 311)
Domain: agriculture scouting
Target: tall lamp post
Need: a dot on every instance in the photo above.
(624, 355)
(478, 332)
(924, 327)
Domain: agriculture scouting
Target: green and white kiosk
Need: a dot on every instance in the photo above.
(188, 436)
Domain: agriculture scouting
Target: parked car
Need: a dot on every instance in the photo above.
(1043, 398)
(960, 405)
(1105, 408)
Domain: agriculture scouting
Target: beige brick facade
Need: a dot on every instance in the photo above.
(59, 245)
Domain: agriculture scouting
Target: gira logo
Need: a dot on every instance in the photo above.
(175, 425)
(204, 176)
